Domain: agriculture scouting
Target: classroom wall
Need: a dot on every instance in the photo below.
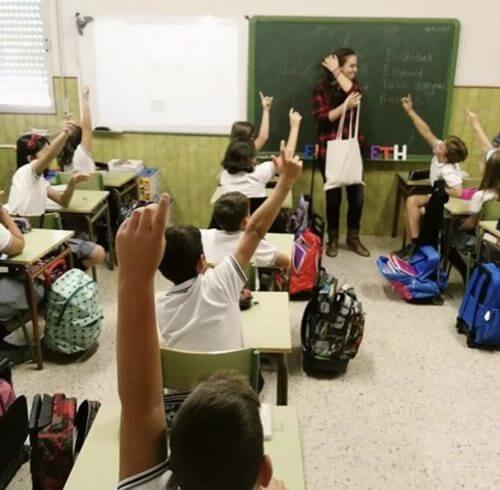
(190, 163)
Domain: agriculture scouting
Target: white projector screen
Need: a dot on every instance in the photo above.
(166, 74)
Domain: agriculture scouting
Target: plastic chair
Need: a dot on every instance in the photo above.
(95, 183)
(182, 370)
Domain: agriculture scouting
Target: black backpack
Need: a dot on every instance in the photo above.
(332, 327)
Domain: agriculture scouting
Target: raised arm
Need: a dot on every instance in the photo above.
(331, 63)
(263, 136)
(421, 126)
(16, 245)
(86, 121)
(41, 164)
(140, 244)
(480, 133)
(295, 119)
(63, 198)
(289, 169)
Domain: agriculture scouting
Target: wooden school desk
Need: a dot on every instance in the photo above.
(90, 205)
(287, 203)
(282, 241)
(266, 328)
(38, 244)
(97, 465)
(406, 187)
(121, 184)
(490, 227)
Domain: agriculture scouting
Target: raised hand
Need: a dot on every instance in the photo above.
(331, 63)
(472, 117)
(295, 118)
(78, 178)
(266, 101)
(68, 127)
(140, 241)
(289, 166)
(407, 103)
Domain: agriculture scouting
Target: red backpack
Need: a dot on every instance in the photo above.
(306, 259)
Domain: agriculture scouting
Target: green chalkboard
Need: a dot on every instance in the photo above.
(396, 57)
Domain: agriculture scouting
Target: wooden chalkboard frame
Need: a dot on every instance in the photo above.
(252, 91)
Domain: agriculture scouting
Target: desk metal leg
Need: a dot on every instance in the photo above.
(90, 229)
(282, 381)
(397, 208)
(31, 297)
(111, 243)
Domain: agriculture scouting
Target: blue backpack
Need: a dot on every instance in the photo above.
(428, 283)
(479, 316)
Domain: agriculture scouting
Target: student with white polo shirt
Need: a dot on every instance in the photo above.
(201, 311)
(29, 189)
(76, 153)
(231, 213)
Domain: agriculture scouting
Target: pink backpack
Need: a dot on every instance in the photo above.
(7, 396)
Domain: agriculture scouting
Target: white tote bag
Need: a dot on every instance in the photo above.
(344, 165)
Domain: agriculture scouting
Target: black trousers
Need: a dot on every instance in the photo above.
(355, 199)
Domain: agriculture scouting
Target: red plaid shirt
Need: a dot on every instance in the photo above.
(326, 98)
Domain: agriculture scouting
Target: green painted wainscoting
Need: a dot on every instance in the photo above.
(190, 164)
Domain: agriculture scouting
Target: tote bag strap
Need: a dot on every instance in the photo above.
(356, 127)
(340, 130)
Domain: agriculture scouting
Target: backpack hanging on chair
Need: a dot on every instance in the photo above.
(73, 313)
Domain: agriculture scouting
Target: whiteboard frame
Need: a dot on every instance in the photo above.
(87, 76)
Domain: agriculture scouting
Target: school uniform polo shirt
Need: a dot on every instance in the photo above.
(218, 244)
(157, 478)
(203, 314)
(451, 173)
(28, 192)
(82, 161)
(251, 184)
(5, 238)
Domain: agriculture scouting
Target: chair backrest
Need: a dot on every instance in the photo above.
(48, 221)
(95, 183)
(490, 211)
(183, 370)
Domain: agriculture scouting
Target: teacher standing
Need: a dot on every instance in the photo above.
(339, 84)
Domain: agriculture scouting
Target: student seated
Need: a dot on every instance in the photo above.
(464, 236)
(76, 153)
(12, 287)
(29, 189)
(218, 422)
(201, 311)
(231, 213)
(444, 165)
(242, 173)
(246, 130)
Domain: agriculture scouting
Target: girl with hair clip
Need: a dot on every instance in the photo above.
(464, 235)
(76, 153)
(246, 130)
(29, 189)
(338, 85)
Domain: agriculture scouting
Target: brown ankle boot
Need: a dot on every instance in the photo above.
(332, 246)
(354, 242)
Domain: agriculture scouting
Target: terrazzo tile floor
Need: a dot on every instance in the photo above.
(416, 409)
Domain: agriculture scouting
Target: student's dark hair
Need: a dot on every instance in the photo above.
(342, 55)
(216, 439)
(456, 149)
(66, 156)
(239, 156)
(230, 210)
(182, 253)
(28, 146)
(491, 175)
(242, 129)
